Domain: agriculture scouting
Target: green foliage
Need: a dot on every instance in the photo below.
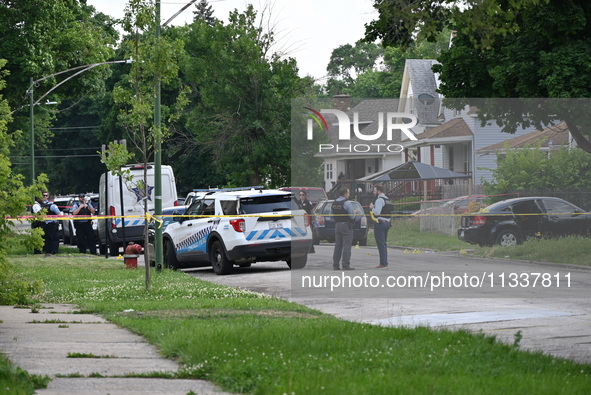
(14, 197)
(242, 96)
(115, 157)
(400, 21)
(532, 169)
(155, 65)
(42, 38)
(507, 49)
(368, 80)
(306, 169)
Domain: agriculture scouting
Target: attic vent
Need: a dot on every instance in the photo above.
(426, 99)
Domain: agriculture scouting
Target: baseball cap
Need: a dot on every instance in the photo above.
(82, 195)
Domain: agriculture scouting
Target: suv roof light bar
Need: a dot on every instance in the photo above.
(229, 189)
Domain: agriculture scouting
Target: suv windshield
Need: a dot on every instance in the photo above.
(265, 204)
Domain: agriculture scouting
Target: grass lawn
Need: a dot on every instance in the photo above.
(568, 250)
(250, 343)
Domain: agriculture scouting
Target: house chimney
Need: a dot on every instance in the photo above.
(342, 102)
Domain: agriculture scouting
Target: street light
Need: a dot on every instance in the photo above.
(33, 103)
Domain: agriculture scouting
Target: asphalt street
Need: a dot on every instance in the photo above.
(545, 307)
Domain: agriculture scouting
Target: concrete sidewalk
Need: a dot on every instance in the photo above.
(40, 343)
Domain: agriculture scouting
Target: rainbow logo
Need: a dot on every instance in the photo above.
(316, 116)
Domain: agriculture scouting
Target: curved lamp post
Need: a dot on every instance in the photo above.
(33, 103)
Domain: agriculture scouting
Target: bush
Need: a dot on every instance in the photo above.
(533, 169)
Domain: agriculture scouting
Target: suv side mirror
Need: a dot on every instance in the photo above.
(177, 219)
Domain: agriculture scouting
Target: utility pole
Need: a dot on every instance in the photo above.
(32, 130)
(158, 250)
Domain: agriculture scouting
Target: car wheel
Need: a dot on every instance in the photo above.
(170, 259)
(219, 261)
(298, 262)
(508, 238)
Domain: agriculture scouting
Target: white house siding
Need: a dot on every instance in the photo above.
(483, 137)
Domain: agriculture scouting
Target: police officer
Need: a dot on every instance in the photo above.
(307, 206)
(344, 216)
(37, 206)
(382, 226)
(51, 226)
(84, 232)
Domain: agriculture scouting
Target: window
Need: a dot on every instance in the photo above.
(265, 204)
(229, 207)
(556, 207)
(329, 175)
(207, 207)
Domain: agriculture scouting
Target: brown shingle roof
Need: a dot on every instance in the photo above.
(455, 128)
(557, 134)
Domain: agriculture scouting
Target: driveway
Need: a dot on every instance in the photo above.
(543, 307)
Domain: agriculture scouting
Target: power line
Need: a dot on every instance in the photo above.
(66, 149)
(75, 128)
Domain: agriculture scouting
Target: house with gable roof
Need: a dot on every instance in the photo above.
(351, 158)
(446, 138)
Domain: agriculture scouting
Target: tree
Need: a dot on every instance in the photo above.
(14, 196)
(204, 12)
(369, 70)
(40, 38)
(241, 104)
(506, 49)
(347, 62)
(155, 64)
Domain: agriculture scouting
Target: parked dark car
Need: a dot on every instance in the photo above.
(324, 223)
(510, 222)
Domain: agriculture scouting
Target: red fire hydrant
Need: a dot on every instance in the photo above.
(132, 252)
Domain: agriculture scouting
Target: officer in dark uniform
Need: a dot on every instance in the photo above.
(307, 206)
(84, 232)
(344, 216)
(36, 208)
(51, 226)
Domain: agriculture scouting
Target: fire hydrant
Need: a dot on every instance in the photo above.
(132, 252)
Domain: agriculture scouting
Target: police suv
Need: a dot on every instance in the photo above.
(230, 227)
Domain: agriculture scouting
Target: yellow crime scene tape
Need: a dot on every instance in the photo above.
(152, 218)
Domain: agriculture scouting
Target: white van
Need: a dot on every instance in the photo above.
(125, 203)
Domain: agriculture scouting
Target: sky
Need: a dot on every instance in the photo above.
(307, 30)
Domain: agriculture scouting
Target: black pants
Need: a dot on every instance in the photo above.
(85, 236)
(52, 238)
